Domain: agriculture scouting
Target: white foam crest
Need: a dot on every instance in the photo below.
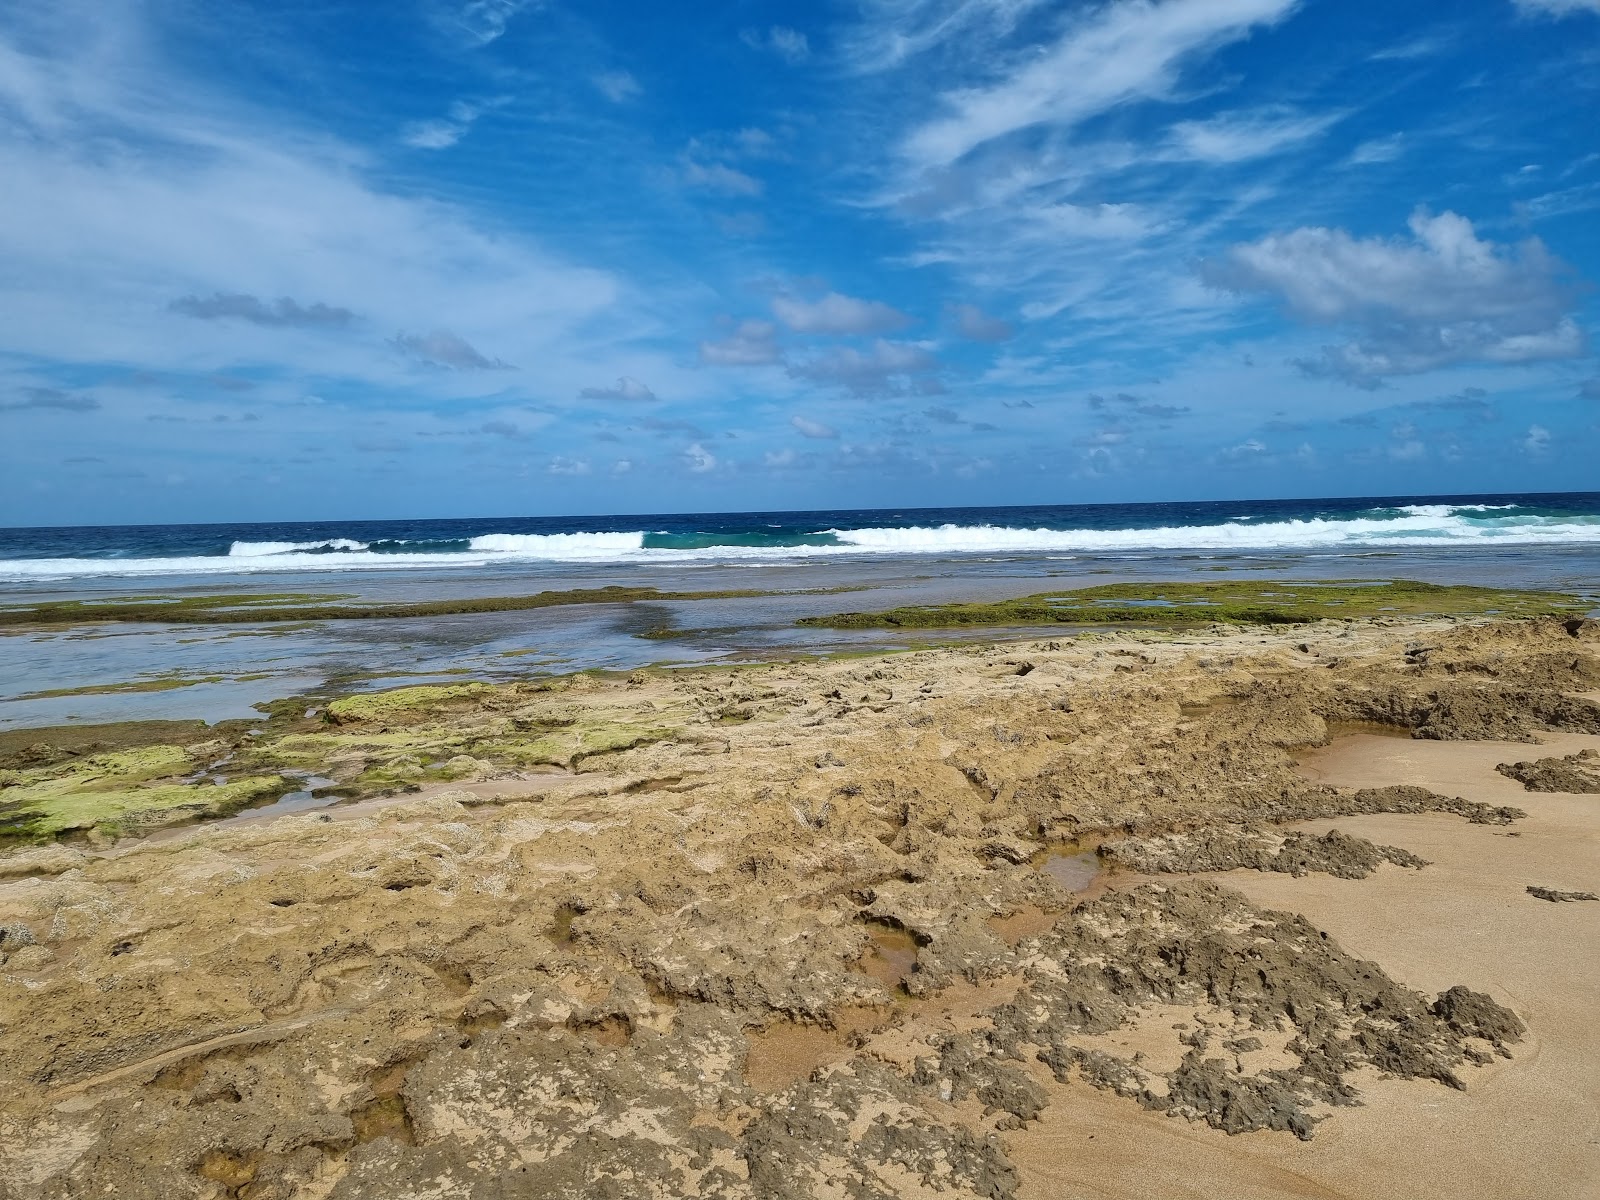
(1422, 528)
(1417, 529)
(263, 549)
(559, 545)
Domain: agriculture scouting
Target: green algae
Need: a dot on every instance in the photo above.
(264, 608)
(165, 684)
(1233, 602)
(403, 702)
(117, 792)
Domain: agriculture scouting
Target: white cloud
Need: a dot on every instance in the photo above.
(445, 349)
(1239, 136)
(617, 86)
(719, 177)
(896, 31)
(446, 132)
(627, 388)
(1130, 50)
(568, 466)
(486, 20)
(1537, 440)
(1443, 296)
(973, 323)
(130, 186)
(838, 314)
(780, 458)
(884, 368)
(813, 429)
(1556, 8)
(699, 459)
(752, 344)
(788, 44)
(1378, 150)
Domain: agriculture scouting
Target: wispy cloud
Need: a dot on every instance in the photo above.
(50, 398)
(280, 312)
(446, 131)
(627, 388)
(1556, 8)
(838, 314)
(813, 429)
(788, 44)
(485, 21)
(617, 86)
(972, 323)
(1117, 53)
(885, 367)
(1239, 136)
(1378, 150)
(445, 349)
(752, 344)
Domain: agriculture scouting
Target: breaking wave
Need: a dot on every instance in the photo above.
(1410, 525)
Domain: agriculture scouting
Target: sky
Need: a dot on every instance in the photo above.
(304, 259)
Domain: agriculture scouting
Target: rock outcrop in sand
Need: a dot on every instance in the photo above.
(790, 944)
(1578, 773)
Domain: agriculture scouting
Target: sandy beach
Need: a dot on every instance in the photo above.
(1198, 913)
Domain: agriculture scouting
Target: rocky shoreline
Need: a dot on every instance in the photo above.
(767, 931)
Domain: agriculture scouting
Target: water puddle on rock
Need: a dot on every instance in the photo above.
(303, 800)
(890, 958)
(1073, 868)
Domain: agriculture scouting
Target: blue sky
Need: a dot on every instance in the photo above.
(307, 259)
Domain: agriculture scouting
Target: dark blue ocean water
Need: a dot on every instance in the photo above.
(1336, 525)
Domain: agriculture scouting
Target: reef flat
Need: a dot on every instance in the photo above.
(1237, 602)
(266, 608)
(820, 928)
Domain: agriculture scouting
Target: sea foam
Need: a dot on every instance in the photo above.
(1414, 525)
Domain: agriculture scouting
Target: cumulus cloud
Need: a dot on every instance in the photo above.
(445, 349)
(837, 314)
(568, 466)
(752, 344)
(617, 86)
(699, 459)
(280, 312)
(1556, 8)
(1239, 136)
(788, 44)
(627, 388)
(1112, 55)
(1441, 297)
(1536, 440)
(50, 398)
(971, 322)
(884, 368)
(813, 429)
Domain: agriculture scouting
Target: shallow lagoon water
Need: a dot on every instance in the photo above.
(231, 668)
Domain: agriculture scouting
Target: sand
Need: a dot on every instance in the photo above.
(1526, 1128)
(846, 943)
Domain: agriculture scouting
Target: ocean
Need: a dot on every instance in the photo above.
(1331, 525)
(807, 563)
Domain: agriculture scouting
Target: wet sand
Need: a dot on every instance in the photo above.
(1525, 1129)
